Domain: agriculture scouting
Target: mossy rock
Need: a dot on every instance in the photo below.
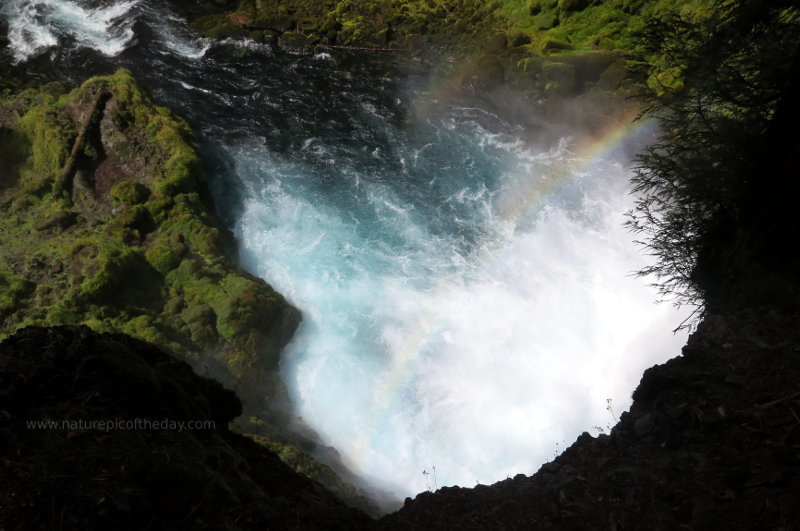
(13, 289)
(545, 20)
(535, 7)
(560, 77)
(613, 76)
(550, 45)
(138, 218)
(589, 66)
(496, 44)
(569, 6)
(309, 24)
(166, 253)
(489, 73)
(47, 130)
(219, 27)
(141, 250)
(59, 220)
(124, 277)
(517, 38)
(295, 43)
(532, 65)
(130, 192)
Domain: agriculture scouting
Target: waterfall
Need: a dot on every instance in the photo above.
(467, 293)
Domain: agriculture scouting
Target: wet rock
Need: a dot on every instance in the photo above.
(295, 43)
(644, 426)
(559, 78)
(490, 73)
(613, 76)
(496, 44)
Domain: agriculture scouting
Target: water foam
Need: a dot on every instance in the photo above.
(37, 25)
(174, 35)
(438, 330)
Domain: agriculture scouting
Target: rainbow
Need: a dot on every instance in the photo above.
(523, 200)
(530, 195)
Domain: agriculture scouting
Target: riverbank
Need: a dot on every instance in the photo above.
(108, 222)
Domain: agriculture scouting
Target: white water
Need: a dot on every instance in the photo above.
(37, 25)
(418, 351)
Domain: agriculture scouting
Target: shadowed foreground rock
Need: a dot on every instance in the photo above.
(712, 441)
(67, 477)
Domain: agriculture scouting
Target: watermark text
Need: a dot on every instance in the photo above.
(139, 424)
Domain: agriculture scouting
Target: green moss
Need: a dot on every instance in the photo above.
(143, 327)
(219, 27)
(301, 462)
(550, 45)
(12, 290)
(518, 38)
(130, 192)
(146, 257)
(123, 278)
(47, 131)
(568, 6)
(166, 252)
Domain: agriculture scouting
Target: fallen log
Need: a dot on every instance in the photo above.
(64, 182)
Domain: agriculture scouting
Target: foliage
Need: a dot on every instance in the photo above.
(697, 184)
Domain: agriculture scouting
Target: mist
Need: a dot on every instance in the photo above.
(469, 304)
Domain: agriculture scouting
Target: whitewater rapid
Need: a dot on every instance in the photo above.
(480, 352)
(467, 297)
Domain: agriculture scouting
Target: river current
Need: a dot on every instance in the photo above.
(467, 298)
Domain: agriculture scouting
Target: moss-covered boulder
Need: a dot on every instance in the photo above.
(545, 20)
(129, 192)
(132, 243)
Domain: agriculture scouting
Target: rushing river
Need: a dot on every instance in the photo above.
(467, 294)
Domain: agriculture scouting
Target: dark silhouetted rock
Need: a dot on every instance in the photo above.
(103, 431)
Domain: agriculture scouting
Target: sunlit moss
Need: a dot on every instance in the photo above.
(145, 257)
